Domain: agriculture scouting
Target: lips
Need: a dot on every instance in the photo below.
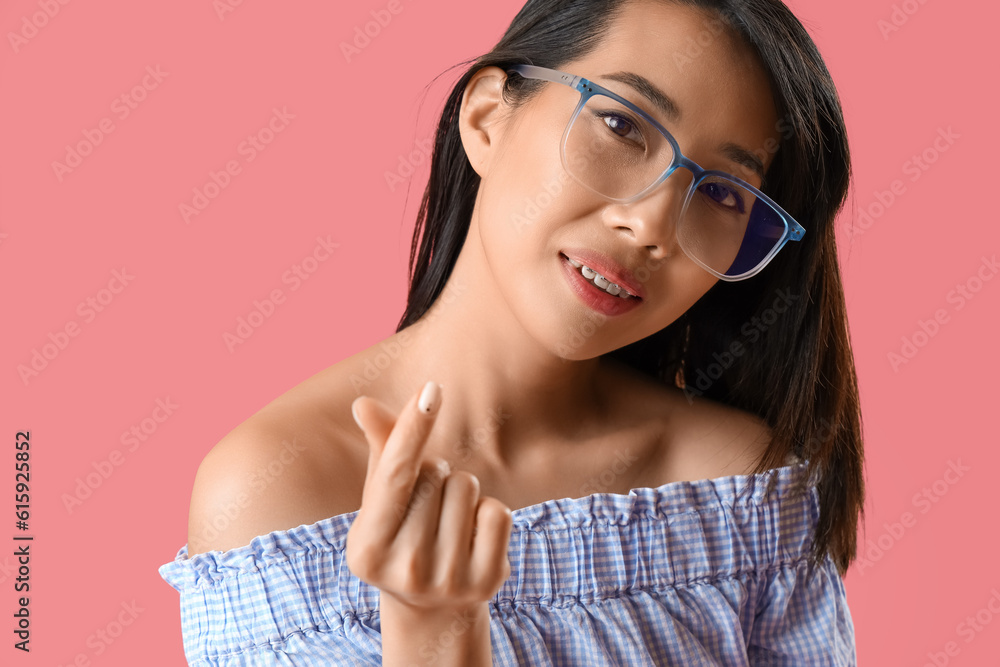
(593, 296)
(607, 267)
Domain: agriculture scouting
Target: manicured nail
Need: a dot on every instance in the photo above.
(354, 413)
(428, 401)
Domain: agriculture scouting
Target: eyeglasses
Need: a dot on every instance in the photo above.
(617, 150)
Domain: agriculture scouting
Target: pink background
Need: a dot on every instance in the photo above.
(324, 175)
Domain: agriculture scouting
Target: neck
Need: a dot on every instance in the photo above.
(503, 391)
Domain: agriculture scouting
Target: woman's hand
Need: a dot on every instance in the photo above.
(424, 537)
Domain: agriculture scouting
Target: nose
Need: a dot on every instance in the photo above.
(651, 221)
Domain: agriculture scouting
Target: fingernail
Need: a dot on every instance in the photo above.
(354, 413)
(428, 401)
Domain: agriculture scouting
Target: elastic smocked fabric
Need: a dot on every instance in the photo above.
(707, 572)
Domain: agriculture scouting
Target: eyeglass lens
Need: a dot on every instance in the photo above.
(614, 151)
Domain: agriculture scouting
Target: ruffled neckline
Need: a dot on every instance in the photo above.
(640, 504)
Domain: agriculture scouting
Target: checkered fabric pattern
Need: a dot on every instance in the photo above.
(707, 572)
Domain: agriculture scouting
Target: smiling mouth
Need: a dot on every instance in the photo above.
(600, 282)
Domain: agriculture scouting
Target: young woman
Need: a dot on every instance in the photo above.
(618, 423)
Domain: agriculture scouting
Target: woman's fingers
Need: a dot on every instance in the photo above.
(424, 535)
(420, 522)
(490, 566)
(389, 486)
(460, 497)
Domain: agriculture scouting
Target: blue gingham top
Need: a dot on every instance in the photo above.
(688, 573)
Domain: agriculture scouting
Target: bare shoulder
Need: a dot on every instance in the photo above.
(724, 439)
(702, 437)
(292, 463)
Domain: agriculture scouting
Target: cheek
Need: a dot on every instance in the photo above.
(531, 189)
(519, 237)
(529, 207)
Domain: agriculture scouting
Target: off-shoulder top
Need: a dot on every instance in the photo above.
(706, 572)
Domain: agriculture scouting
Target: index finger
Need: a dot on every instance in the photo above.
(389, 486)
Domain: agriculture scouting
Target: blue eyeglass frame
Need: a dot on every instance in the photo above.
(587, 89)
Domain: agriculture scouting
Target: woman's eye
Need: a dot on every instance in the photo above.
(619, 125)
(622, 126)
(724, 196)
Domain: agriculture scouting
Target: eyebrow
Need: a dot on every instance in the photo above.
(648, 89)
(743, 157)
(672, 112)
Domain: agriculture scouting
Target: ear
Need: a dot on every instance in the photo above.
(479, 115)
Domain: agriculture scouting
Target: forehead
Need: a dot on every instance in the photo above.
(715, 79)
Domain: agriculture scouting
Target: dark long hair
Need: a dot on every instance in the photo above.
(797, 373)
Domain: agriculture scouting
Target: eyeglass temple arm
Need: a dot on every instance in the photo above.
(535, 72)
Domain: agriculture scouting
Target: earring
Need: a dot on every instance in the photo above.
(679, 378)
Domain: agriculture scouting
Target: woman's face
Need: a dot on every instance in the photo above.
(528, 213)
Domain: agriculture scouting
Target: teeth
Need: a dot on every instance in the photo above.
(600, 281)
